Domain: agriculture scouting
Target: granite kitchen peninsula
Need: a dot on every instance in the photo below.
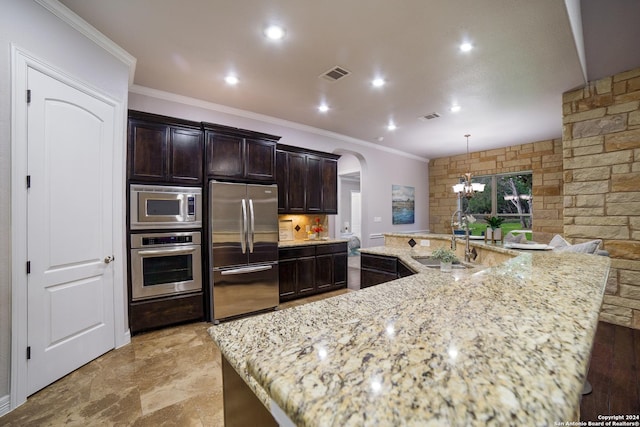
(502, 345)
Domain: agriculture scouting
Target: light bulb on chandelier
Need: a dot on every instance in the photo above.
(468, 188)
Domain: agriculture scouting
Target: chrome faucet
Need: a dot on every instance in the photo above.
(453, 233)
(468, 255)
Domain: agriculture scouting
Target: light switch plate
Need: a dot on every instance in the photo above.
(377, 219)
(425, 242)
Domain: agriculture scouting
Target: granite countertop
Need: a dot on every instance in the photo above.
(504, 345)
(306, 242)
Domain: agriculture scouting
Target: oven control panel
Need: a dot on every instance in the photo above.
(148, 240)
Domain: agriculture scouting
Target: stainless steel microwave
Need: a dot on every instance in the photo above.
(164, 207)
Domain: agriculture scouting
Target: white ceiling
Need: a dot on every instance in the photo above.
(509, 86)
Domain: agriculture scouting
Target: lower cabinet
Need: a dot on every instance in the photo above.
(307, 270)
(152, 314)
(376, 269)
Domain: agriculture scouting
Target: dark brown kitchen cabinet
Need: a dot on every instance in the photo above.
(287, 277)
(296, 271)
(239, 155)
(156, 313)
(307, 181)
(307, 270)
(376, 269)
(164, 149)
(331, 266)
(313, 187)
(291, 182)
(329, 170)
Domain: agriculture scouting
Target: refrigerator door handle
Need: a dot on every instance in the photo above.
(245, 270)
(243, 229)
(252, 224)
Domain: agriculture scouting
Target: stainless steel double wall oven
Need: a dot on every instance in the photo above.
(166, 259)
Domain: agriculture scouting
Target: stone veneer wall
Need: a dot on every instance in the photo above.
(601, 141)
(543, 158)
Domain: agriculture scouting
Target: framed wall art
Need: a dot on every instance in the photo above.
(403, 204)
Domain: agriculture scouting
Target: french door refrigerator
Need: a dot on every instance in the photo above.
(244, 247)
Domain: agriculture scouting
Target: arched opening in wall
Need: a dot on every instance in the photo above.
(348, 222)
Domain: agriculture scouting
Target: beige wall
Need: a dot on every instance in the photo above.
(543, 158)
(601, 141)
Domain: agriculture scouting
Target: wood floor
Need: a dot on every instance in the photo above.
(614, 373)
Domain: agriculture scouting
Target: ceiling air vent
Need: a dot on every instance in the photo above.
(336, 73)
(429, 116)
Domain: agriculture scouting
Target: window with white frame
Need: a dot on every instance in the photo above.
(508, 196)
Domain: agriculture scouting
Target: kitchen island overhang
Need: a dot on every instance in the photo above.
(507, 344)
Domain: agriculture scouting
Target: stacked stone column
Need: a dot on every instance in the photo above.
(601, 162)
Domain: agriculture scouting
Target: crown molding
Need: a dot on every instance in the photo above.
(69, 17)
(168, 96)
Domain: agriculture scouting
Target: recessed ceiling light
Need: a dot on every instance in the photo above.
(455, 108)
(231, 80)
(274, 32)
(391, 126)
(378, 82)
(466, 47)
(323, 108)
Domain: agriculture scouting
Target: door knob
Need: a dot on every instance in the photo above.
(108, 259)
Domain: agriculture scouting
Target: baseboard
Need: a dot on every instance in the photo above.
(124, 339)
(5, 404)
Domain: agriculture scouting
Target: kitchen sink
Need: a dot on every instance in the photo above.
(430, 262)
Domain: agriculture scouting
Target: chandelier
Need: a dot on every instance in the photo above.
(468, 188)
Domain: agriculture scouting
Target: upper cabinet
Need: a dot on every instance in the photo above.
(164, 149)
(307, 181)
(239, 155)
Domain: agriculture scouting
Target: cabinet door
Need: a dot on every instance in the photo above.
(324, 271)
(260, 160)
(185, 159)
(282, 179)
(306, 272)
(379, 262)
(374, 277)
(224, 156)
(147, 151)
(296, 183)
(340, 270)
(287, 276)
(329, 186)
(403, 270)
(313, 196)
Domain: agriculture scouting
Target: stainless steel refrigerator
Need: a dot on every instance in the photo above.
(244, 247)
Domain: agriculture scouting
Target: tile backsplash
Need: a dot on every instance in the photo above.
(299, 224)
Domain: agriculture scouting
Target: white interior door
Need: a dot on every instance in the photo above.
(70, 225)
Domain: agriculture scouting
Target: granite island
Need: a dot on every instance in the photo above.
(507, 344)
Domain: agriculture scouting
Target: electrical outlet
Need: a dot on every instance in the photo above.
(377, 219)
(425, 242)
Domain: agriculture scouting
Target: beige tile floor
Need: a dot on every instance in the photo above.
(170, 377)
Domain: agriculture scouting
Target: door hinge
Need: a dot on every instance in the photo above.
(28, 181)
(28, 267)
(28, 352)
(28, 96)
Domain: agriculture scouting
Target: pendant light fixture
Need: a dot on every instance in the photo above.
(468, 188)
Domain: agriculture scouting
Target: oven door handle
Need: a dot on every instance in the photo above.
(167, 252)
(245, 270)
